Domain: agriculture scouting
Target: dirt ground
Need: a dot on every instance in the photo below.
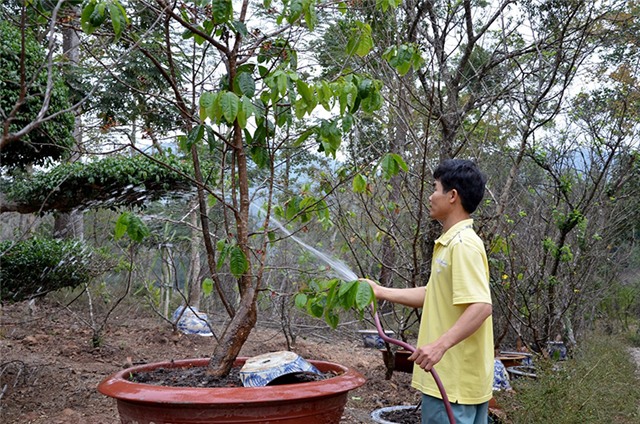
(49, 371)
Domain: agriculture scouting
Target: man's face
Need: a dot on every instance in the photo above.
(439, 201)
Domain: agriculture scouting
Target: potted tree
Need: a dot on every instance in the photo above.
(250, 97)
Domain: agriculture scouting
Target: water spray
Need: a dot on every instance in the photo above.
(339, 267)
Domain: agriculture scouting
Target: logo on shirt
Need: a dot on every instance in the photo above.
(441, 264)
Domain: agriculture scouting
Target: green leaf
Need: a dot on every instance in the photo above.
(242, 118)
(348, 95)
(300, 107)
(206, 103)
(331, 318)
(345, 287)
(245, 84)
(292, 209)
(85, 21)
(295, 10)
(305, 91)
(300, 300)
(132, 225)
(404, 57)
(98, 16)
(310, 16)
(214, 110)
(260, 156)
(325, 95)
(401, 163)
(238, 261)
(240, 28)
(386, 4)
(360, 42)
(282, 83)
(329, 136)
(229, 106)
(116, 22)
(364, 295)
(332, 292)
(207, 25)
(303, 137)
(137, 230)
(221, 10)
(315, 309)
(207, 286)
(283, 115)
(347, 122)
(195, 136)
(348, 299)
(365, 87)
(223, 248)
(118, 18)
(121, 225)
(391, 164)
(359, 183)
(372, 102)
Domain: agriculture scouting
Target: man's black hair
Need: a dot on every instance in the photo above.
(464, 176)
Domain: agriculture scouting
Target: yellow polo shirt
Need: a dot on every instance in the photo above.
(459, 276)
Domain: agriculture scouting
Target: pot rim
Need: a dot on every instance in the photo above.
(119, 387)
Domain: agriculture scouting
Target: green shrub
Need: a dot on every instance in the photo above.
(598, 385)
(108, 183)
(37, 266)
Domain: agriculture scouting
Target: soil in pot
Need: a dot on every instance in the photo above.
(412, 415)
(198, 377)
(398, 415)
(403, 416)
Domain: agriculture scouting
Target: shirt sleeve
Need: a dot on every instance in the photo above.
(469, 274)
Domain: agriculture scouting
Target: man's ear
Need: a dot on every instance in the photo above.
(453, 195)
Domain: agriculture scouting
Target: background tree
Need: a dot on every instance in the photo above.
(476, 84)
(37, 123)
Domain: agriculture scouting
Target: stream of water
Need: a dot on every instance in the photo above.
(339, 267)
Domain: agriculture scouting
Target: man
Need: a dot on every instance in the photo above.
(456, 330)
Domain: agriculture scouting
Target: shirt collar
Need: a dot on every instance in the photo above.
(446, 238)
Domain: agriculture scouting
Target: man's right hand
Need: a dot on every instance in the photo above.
(374, 286)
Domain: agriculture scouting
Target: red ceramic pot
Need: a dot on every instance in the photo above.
(317, 402)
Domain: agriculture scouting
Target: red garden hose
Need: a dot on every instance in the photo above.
(433, 372)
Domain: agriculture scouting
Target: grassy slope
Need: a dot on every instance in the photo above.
(598, 385)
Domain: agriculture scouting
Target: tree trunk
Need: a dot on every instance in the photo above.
(69, 225)
(193, 276)
(238, 330)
